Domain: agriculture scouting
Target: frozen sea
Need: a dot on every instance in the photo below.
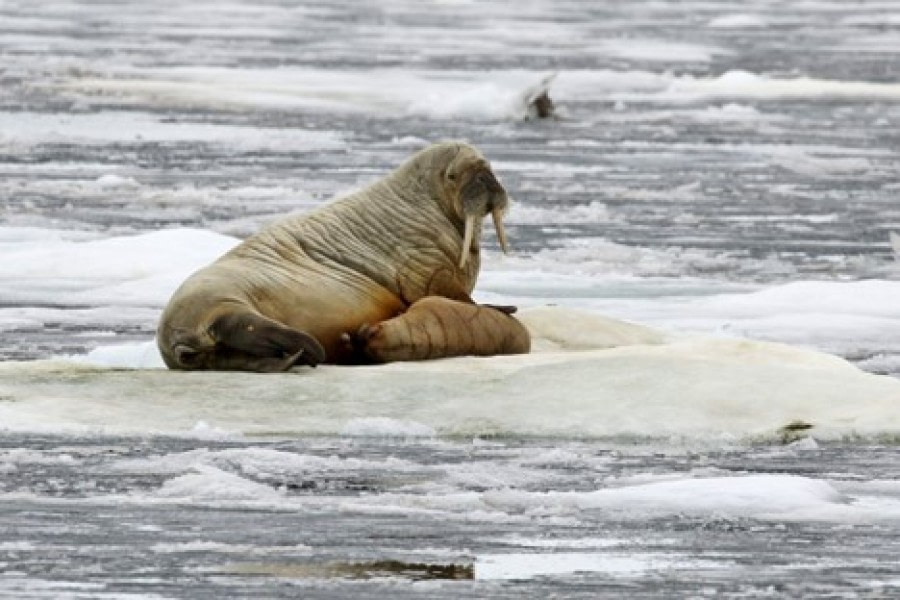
(706, 245)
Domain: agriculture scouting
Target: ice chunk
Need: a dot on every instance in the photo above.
(703, 388)
(554, 328)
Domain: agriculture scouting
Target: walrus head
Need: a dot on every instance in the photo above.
(473, 192)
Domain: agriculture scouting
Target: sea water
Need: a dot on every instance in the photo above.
(702, 252)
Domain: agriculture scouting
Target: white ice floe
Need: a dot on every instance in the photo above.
(208, 484)
(593, 212)
(261, 463)
(766, 497)
(751, 495)
(763, 497)
(653, 50)
(130, 270)
(846, 317)
(529, 565)
(737, 21)
(26, 129)
(616, 356)
(212, 547)
(704, 388)
(745, 84)
(445, 94)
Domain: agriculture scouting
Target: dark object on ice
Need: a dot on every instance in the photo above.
(538, 104)
(793, 431)
(361, 570)
(543, 106)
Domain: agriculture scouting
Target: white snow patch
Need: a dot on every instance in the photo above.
(265, 463)
(211, 547)
(737, 21)
(139, 270)
(29, 129)
(210, 485)
(749, 496)
(442, 95)
(529, 565)
(553, 329)
(744, 84)
(136, 355)
(651, 50)
(594, 212)
(116, 181)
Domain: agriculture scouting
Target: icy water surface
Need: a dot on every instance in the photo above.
(427, 518)
(722, 169)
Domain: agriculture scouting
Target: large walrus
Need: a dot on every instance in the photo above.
(384, 274)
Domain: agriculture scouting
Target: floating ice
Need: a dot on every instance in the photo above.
(745, 84)
(476, 95)
(555, 329)
(441, 95)
(27, 129)
(592, 374)
(261, 463)
(737, 21)
(211, 485)
(703, 388)
(650, 50)
(594, 212)
(126, 356)
(206, 547)
(116, 181)
(140, 270)
(748, 496)
(528, 565)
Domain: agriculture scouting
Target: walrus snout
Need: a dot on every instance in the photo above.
(481, 195)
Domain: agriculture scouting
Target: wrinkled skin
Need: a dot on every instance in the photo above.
(381, 275)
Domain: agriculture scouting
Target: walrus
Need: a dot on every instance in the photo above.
(383, 274)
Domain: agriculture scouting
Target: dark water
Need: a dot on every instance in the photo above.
(76, 525)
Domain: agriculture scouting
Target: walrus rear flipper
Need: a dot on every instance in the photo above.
(248, 341)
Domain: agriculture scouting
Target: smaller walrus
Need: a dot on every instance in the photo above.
(384, 274)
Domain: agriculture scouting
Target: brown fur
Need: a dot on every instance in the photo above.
(436, 327)
(292, 293)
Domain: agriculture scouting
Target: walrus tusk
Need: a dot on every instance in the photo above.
(467, 241)
(497, 215)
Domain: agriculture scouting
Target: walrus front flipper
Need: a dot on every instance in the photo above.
(248, 341)
(437, 327)
(506, 309)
